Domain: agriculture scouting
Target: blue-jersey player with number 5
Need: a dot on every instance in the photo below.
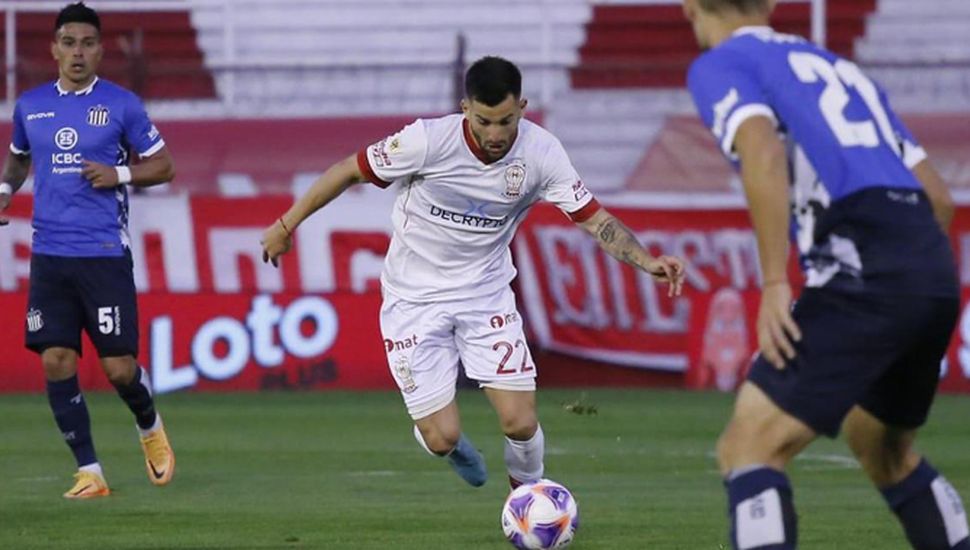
(77, 132)
(820, 150)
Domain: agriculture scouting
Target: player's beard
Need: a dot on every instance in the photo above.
(497, 152)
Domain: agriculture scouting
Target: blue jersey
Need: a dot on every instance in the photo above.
(60, 129)
(860, 218)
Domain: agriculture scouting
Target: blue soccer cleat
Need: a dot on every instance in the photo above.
(468, 462)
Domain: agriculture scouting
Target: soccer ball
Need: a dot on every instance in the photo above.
(540, 515)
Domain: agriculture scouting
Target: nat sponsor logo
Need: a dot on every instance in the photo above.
(499, 321)
(400, 345)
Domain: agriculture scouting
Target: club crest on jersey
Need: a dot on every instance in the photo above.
(514, 178)
(98, 115)
(35, 321)
(402, 368)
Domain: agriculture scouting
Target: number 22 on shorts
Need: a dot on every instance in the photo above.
(509, 351)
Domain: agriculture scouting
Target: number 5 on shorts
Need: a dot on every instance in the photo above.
(108, 318)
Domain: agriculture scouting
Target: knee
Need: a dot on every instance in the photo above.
(59, 364)
(520, 428)
(887, 464)
(119, 370)
(748, 443)
(440, 441)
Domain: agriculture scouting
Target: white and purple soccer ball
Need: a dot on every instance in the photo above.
(540, 515)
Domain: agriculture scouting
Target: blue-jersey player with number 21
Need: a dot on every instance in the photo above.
(820, 150)
(77, 132)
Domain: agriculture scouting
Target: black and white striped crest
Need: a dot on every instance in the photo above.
(35, 321)
(98, 115)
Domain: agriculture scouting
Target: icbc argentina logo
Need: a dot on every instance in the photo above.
(65, 138)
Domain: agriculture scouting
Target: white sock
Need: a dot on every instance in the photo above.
(155, 426)
(523, 459)
(94, 468)
(420, 438)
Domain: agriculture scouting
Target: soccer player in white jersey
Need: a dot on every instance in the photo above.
(466, 182)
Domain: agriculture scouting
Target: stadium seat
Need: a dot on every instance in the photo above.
(170, 65)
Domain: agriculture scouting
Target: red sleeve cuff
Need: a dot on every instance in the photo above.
(364, 165)
(586, 212)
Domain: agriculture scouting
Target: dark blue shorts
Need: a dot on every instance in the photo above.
(95, 294)
(880, 352)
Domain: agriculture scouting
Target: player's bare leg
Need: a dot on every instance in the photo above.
(924, 501)
(71, 414)
(524, 440)
(131, 382)
(439, 433)
(752, 453)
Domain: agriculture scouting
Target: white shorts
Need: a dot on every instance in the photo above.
(426, 341)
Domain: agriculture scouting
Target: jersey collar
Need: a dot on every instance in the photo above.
(83, 91)
(753, 29)
(476, 149)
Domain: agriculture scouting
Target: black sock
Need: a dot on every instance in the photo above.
(71, 415)
(930, 510)
(138, 396)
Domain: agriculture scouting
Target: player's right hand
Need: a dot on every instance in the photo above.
(777, 331)
(276, 241)
(5, 199)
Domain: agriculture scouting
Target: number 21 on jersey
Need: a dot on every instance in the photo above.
(838, 77)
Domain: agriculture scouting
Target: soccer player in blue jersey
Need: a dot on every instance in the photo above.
(77, 132)
(817, 144)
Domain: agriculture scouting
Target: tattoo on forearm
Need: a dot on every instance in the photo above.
(607, 232)
(618, 241)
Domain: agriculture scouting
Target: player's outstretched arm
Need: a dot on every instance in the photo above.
(15, 170)
(277, 238)
(151, 170)
(937, 191)
(764, 173)
(618, 241)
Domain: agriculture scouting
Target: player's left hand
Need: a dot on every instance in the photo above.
(100, 175)
(777, 330)
(276, 241)
(668, 269)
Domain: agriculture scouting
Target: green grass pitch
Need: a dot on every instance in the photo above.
(338, 470)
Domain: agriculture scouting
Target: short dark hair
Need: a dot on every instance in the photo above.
(491, 79)
(77, 13)
(741, 6)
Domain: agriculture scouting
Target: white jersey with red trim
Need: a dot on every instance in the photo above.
(455, 213)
